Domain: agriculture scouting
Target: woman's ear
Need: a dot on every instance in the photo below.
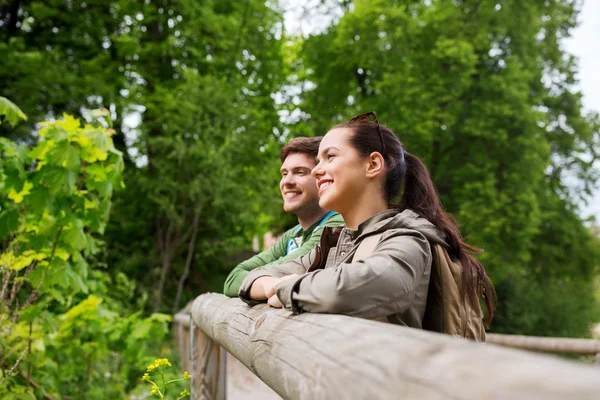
(375, 165)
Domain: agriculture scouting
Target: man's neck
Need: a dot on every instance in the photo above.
(308, 221)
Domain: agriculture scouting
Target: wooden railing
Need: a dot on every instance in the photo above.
(317, 356)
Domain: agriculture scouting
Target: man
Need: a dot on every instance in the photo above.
(300, 197)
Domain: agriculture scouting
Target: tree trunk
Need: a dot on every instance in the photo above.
(188, 261)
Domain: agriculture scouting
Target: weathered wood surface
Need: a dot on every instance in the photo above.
(240, 382)
(533, 343)
(548, 344)
(312, 356)
(181, 336)
(209, 369)
(182, 318)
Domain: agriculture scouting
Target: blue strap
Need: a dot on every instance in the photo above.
(293, 246)
(325, 218)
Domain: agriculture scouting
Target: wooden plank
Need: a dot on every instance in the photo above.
(186, 355)
(181, 334)
(182, 318)
(316, 356)
(208, 367)
(548, 344)
(240, 381)
(177, 336)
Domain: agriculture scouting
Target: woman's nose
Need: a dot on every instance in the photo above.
(317, 171)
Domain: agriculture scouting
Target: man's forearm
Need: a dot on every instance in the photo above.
(234, 281)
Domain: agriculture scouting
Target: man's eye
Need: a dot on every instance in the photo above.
(284, 174)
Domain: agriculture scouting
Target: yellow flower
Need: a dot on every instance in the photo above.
(162, 362)
(154, 390)
(184, 392)
(146, 377)
(159, 362)
(186, 376)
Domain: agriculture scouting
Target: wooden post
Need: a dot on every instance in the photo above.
(181, 333)
(186, 354)
(208, 367)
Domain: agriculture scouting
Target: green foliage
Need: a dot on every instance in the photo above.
(57, 336)
(9, 112)
(559, 307)
(205, 147)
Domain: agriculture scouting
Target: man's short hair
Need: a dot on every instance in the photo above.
(304, 145)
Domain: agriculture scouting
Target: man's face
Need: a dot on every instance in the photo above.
(298, 187)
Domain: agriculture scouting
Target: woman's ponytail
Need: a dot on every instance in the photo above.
(420, 196)
(419, 193)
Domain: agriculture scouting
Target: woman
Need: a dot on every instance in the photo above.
(366, 175)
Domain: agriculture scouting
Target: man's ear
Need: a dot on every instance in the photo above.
(375, 165)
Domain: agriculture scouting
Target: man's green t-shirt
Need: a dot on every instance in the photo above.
(293, 244)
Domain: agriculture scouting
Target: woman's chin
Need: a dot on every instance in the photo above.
(325, 202)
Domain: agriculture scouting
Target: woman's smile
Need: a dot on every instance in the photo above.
(323, 184)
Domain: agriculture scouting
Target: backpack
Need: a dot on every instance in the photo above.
(446, 311)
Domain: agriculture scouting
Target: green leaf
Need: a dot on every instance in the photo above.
(17, 197)
(12, 114)
(59, 180)
(56, 295)
(74, 235)
(64, 155)
(9, 222)
(160, 317)
(40, 200)
(141, 329)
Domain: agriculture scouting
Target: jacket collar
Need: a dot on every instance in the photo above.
(397, 219)
(375, 223)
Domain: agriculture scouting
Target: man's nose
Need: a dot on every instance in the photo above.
(288, 180)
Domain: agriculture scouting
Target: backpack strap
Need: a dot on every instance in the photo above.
(366, 247)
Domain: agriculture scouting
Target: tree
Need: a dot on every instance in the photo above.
(198, 77)
(59, 56)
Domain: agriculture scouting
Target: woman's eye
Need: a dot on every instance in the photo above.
(330, 156)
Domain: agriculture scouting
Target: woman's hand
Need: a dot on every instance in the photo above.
(269, 287)
(274, 302)
(264, 287)
(261, 286)
(267, 284)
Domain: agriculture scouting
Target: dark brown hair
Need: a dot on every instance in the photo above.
(304, 145)
(421, 196)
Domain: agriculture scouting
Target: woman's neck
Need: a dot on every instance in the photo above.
(362, 211)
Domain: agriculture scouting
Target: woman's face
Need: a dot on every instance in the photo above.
(340, 172)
